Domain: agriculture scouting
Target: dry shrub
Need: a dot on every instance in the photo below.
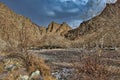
(92, 70)
(34, 63)
(11, 75)
(31, 63)
(1, 67)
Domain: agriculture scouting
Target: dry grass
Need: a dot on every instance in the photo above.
(34, 63)
(31, 64)
(92, 70)
(1, 67)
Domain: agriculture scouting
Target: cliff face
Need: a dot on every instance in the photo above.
(55, 28)
(103, 29)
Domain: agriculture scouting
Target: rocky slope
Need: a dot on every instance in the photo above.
(102, 30)
(17, 30)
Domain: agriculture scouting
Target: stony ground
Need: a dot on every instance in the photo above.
(63, 61)
(76, 64)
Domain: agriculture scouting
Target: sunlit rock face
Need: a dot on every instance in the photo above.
(73, 12)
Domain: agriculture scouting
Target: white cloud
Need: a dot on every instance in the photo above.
(78, 2)
(74, 10)
(50, 13)
(65, 0)
(111, 1)
(82, 2)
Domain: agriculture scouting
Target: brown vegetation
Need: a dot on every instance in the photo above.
(18, 34)
(95, 67)
(30, 63)
(92, 70)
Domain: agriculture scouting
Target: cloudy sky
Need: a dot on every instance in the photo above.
(42, 12)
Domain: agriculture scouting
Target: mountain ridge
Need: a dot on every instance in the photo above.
(18, 30)
(104, 27)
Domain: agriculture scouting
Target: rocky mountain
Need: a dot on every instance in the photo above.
(17, 30)
(102, 30)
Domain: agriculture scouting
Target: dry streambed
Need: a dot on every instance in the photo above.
(62, 61)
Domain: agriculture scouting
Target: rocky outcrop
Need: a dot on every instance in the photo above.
(103, 29)
(52, 27)
(63, 29)
(55, 28)
(54, 36)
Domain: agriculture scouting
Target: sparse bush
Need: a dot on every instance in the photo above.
(92, 70)
(31, 64)
(34, 63)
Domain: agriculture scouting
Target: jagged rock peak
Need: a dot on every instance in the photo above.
(54, 27)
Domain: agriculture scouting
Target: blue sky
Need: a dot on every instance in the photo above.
(42, 12)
